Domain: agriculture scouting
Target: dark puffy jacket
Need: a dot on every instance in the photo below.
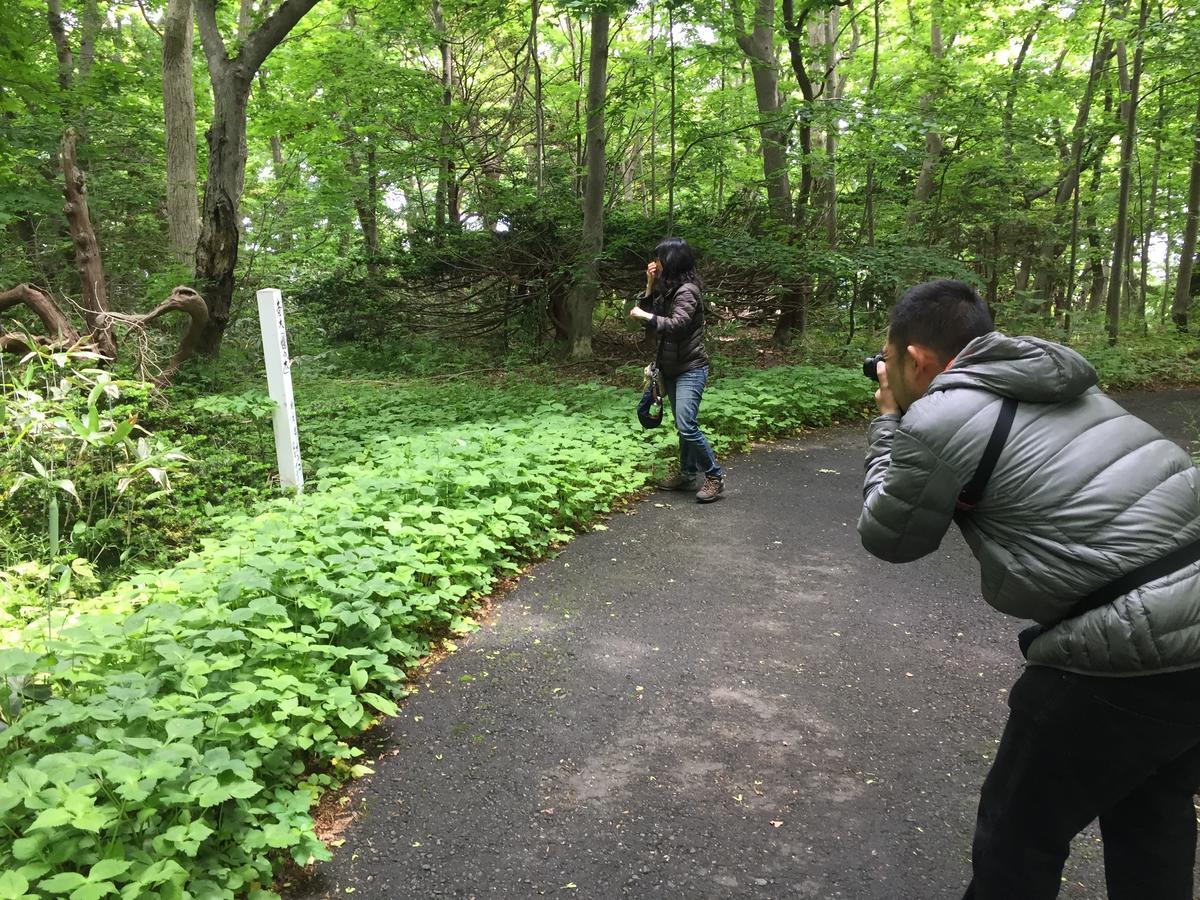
(1083, 493)
(680, 329)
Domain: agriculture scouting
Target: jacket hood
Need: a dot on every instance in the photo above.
(1025, 368)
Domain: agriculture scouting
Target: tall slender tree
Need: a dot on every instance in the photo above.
(1121, 230)
(1187, 251)
(585, 289)
(231, 78)
(179, 112)
(934, 144)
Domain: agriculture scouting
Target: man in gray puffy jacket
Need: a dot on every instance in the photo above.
(1089, 524)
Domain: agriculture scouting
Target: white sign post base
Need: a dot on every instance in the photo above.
(279, 382)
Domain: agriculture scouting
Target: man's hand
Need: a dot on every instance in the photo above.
(883, 397)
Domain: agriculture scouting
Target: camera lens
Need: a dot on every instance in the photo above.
(870, 364)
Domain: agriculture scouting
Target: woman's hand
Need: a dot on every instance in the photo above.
(638, 313)
(651, 274)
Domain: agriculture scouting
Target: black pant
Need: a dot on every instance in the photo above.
(1077, 748)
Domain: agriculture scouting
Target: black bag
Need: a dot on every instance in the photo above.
(650, 408)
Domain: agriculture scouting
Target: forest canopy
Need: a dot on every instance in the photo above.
(495, 169)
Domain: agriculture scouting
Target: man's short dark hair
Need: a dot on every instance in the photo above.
(943, 315)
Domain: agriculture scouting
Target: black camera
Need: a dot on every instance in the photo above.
(870, 364)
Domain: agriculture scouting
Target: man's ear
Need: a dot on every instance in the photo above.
(926, 360)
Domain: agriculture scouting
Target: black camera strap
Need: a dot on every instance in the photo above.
(973, 491)
(1127, 583)
(1139, 577)
(1177, 559)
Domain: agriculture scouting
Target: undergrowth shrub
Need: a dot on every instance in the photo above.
(1151, 361)
(81, 478)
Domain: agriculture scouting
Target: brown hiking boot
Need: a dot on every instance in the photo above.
(712, 488)
(678, 482)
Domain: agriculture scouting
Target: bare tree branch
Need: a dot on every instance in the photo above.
(59, 329)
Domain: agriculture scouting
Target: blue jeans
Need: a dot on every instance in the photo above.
(695, 452)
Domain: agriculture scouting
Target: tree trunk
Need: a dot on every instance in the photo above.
(671, 120)
(1164, 302)
(217, 246)
(869, 190)
(804, 129)
(1096, 293)
(445, 164)
(759, 46)
(1014, 85)
(278, 205)
(87, 40)
(58, 31)
(367, 206)
(629, 171)
(577, 67)
(1187, 252)
(1068, 179)
(87, 252)
(993, 285)
(1076, 171)
(934, 146)
(1122, 225)
(835, 84)
(230, 77)
(586, 287)
(1148, 223)
(538, 106)
(1021, 279)
(179, 107)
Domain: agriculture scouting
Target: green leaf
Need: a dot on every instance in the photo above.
(51, 818)
(12, 886)
(351, 714)
(93, 890)
(27, 847)
(62, 882)
(85, 815)
(23, 779)
(183, 729)
(107, 869)
(383, 704)
(243, 789)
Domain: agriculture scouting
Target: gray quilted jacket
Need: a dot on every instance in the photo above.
(1083, 493)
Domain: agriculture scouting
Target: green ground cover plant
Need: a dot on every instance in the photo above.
(1153, 361)
(168, 736)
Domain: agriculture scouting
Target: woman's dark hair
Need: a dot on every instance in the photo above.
(679, 264)
(942, 315)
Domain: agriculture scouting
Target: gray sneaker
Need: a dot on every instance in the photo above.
(712, 488)
(679, 482)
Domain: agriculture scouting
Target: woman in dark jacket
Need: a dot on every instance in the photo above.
(673, 308)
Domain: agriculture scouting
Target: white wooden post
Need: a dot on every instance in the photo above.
(279, 382)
